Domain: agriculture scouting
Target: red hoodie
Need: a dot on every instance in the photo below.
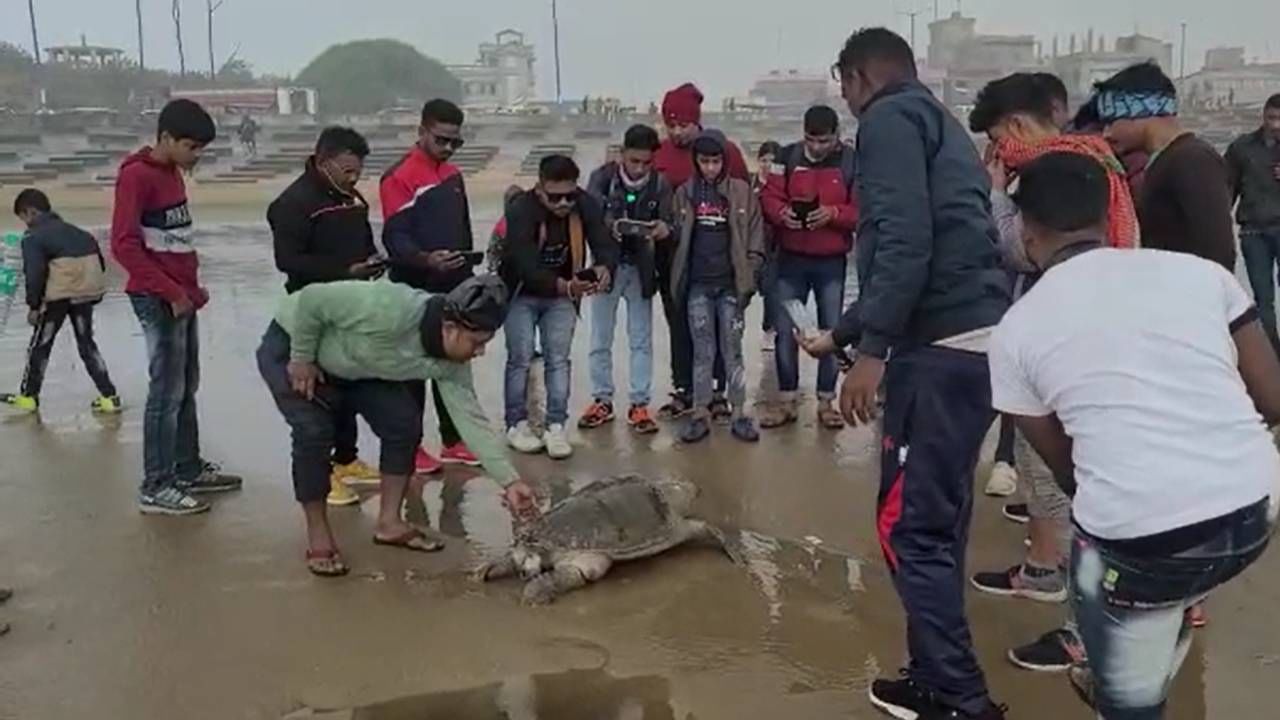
(675, 163)
(151, 231)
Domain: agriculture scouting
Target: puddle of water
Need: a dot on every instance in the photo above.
(572, 695)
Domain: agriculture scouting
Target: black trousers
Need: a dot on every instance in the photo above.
(46, 332)
(388, 407)
(937, 412)
(448, 431)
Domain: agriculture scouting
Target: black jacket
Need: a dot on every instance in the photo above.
(61, 262)
(521, 263)
(928, 261)
(1251, 173)
(654, 203)
(319, 231)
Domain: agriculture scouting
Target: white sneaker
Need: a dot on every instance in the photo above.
(524, 439)
(558, 447)
(1003, 481)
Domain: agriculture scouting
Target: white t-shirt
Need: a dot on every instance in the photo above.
(1132, 350)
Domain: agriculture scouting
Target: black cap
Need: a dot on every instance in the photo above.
(479, 303)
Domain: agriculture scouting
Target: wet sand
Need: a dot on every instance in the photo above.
(121, 616)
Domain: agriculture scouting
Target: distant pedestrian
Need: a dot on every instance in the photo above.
(153, 239)
(717, 258)
(65, 275)
(1253, 168)
(248, 133)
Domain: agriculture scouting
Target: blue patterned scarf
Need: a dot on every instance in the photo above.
(1115, 105)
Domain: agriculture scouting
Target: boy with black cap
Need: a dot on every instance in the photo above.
(713, 273)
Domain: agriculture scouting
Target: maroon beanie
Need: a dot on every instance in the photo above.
(683, 105)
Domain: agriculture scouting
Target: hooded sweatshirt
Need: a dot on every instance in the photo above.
(151, 231)
(675, 162)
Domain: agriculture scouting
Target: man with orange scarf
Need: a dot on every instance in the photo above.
(1018, 115)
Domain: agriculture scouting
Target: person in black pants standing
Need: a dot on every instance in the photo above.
(321, 233)
(932, 289)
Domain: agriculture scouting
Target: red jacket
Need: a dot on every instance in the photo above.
(424, 204)
(675, 163)
(151, 231)
(824, 181)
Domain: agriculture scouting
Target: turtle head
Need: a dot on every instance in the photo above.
(679, 494)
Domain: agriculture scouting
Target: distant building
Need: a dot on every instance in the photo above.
(963, 61)
(791, 89)
(85, 55)
(502, 76)
(256, 101)
(1081, 68)
(1228, 81)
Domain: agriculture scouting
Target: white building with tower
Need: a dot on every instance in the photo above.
(502, 76)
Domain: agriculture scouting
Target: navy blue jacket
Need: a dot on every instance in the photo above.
(928, 261)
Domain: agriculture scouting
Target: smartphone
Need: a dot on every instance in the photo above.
(802, 208)
(624, 228)
(474, 258)
(587, 275)
(807, 324)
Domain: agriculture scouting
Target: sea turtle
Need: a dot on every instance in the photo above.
(614, 520)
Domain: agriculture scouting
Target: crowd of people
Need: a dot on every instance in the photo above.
(1076, 279)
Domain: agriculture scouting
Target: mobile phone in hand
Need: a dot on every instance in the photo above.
(474, 258)
(587, 275)
(802, 208)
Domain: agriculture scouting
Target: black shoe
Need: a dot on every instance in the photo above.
(1055, 651)
(1017, 512)
(211, 480)
(902, 699)
(993, 712)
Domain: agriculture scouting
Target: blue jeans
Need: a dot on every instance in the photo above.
(170, 426)
(553, 320)
(604, 318)
(716, 315)
(1261, 251)
(1131, 603)
(798, 276)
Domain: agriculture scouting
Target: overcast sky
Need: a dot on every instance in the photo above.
(631, 48)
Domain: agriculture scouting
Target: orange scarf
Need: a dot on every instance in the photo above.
(1122, 219)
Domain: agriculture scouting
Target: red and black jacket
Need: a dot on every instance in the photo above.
(830, 182)
(319, 231)
(424, 204)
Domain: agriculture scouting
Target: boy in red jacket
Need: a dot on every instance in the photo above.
(152, 239)
(810, 203)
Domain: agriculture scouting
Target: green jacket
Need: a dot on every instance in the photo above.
(359, 330)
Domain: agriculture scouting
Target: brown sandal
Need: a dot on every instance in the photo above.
(412, 539)
(326, 563)
(830, 418)
(778, 416)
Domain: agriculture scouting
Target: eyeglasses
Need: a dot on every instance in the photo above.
(449, 142)
(564, 198)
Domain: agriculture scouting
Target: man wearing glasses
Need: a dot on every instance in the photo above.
(557, 252)
(428, 239)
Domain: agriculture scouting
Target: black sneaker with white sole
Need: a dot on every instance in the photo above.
(902, 698)
(1024, 581)
(1055, 651)
(212, 480)
(1017, 512)
(992, 712)
(170, 501)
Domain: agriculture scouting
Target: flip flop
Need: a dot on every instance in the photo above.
(326, 563)
(411, 539)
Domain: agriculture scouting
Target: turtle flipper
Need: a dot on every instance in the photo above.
(569, 574)
(698, 531)
(496, 569)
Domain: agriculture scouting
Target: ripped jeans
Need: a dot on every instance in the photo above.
(1131, 598)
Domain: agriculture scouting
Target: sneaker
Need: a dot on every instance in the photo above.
(107, 405)
(170, 501)
(356, 473)
(424, 463)
(1017, 512)
(679, 406)
(597, 413)
(339, 494)
(695, 430)
(1047, 586)
(721, 412)
(1003, 481)
(523, 439)
(459, 454)
(1055, 651)
(938, 712)
(902, 699)
(25, 403)
(557, 442)
(770, 341)
(640, 421)
(211, 480)
(744, 428)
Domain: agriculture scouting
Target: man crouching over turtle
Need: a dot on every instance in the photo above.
(356, 345)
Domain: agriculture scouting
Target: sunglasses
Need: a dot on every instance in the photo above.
(561, 198)
(449, 142)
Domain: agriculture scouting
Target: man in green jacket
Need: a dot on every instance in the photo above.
(355, 345)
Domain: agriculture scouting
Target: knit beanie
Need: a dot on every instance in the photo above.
(708, 144)
(682, 106)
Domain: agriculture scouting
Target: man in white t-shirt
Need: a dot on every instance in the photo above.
(1143, 379)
